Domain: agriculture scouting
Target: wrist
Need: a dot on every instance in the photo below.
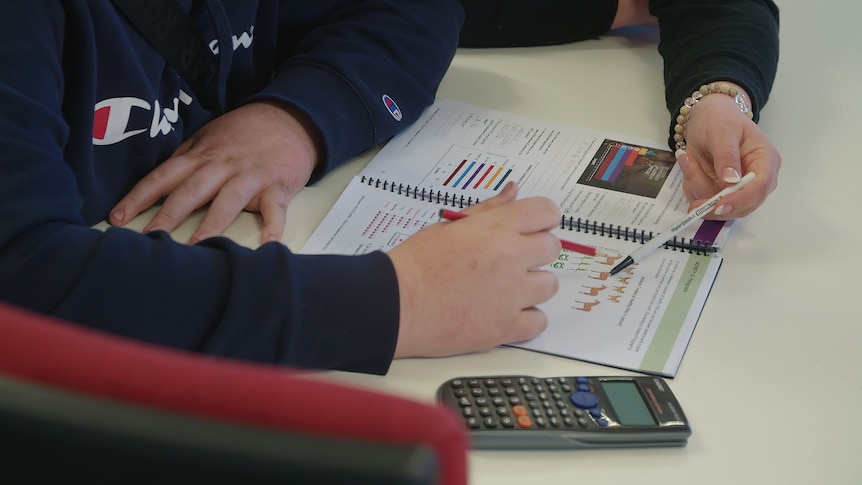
(735, 92)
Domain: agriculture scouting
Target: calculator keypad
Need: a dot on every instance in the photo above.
(524, 402)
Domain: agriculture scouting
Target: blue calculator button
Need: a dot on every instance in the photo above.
(583, 387)
(584, 400)
(596, 412)
(582, 380)
(602, 422)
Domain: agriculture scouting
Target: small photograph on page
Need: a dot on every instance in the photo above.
(628, 168)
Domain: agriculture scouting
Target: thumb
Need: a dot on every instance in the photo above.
(508, 194)
(727, 163)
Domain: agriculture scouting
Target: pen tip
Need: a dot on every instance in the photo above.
(623, 265)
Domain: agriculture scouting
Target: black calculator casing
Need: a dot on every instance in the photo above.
(566, 412)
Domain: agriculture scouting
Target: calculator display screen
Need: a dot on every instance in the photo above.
(627, 402)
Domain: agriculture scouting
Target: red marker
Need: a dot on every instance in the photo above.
(451, 215)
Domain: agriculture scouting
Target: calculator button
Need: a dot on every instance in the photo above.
(584, 400)
(502, 411)
(489, 423)
(602, 422)
(457, 383)
(485, 411)
(463, 402)
(525, 422)
(540, 422)
(519, 410)
(507, 422)
(467, 412)
(473, 423)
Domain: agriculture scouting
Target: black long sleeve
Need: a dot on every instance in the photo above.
(704, 41)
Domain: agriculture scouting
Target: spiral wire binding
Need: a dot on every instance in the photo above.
(696, 246)
(566, 222)
(428, 195)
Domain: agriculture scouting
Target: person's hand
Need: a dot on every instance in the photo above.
(633, 12)
(471, 284)
(722, 145)
(256, 158)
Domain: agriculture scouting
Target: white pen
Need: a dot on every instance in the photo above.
(675, 229)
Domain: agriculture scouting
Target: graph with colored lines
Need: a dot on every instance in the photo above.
(628, 168)
(468, 169)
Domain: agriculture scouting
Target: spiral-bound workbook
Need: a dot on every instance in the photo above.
(614, 192)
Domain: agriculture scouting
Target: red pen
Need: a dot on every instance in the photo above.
(451, 215)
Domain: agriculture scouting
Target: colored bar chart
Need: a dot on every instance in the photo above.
(475, 175)
(619, 156)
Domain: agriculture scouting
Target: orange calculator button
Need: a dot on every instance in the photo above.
(525, 422)
(519, 410)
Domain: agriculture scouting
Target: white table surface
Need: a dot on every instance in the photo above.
(772, 378)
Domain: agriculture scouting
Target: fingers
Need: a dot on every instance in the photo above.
(529, 324)
(508, 194)
(535, 214)
(722, 146)
(483, 268)
(273, 208)
(155, 185)
(230, 199)
(195, 191)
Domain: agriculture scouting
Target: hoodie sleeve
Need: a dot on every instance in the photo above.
(364, 71)
(268, 304)
(705, 41)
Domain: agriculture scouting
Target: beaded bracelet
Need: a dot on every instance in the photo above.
(685, 110)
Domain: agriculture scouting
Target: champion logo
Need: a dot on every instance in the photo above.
(244, 40)
(393, 108)
(112, 118)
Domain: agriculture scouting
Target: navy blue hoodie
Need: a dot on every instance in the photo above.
(89, 107)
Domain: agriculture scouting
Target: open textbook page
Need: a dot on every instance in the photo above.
(606, 179)
(640, 319)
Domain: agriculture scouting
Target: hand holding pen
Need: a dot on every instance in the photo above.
(694, 215)
(569, 245)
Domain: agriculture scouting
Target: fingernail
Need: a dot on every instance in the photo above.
(723, 209)
(681, 158)
(730, 175)
(118, 215)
